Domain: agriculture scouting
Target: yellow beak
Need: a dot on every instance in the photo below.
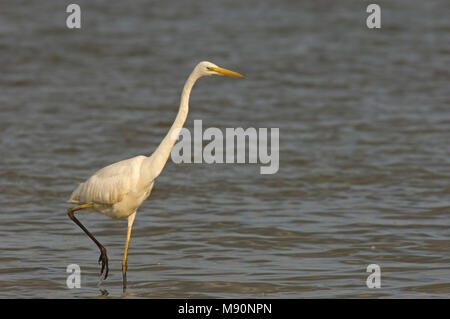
(225, 72)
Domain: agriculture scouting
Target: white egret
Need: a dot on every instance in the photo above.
(119, 189)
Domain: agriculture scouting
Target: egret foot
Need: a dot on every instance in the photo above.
(104, 260)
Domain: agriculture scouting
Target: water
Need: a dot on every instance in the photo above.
(364, 154)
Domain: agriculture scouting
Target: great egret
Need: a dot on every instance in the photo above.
(119, 189)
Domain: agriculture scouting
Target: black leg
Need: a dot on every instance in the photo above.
(103, 257)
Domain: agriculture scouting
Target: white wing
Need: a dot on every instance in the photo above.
(110, 184)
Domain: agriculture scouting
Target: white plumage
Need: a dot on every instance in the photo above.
(116, 190)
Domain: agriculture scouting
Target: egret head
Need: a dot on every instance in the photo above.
(208, 68)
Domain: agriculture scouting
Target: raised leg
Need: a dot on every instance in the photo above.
(103, 257)
(125, 254)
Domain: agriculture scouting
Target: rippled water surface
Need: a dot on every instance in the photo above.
(364, 125)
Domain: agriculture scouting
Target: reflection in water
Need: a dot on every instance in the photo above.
(104, 293)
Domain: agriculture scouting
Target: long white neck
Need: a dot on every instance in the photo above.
(153, 165)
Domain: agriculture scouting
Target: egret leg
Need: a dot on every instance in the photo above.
(125, 255)
(103, 257)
